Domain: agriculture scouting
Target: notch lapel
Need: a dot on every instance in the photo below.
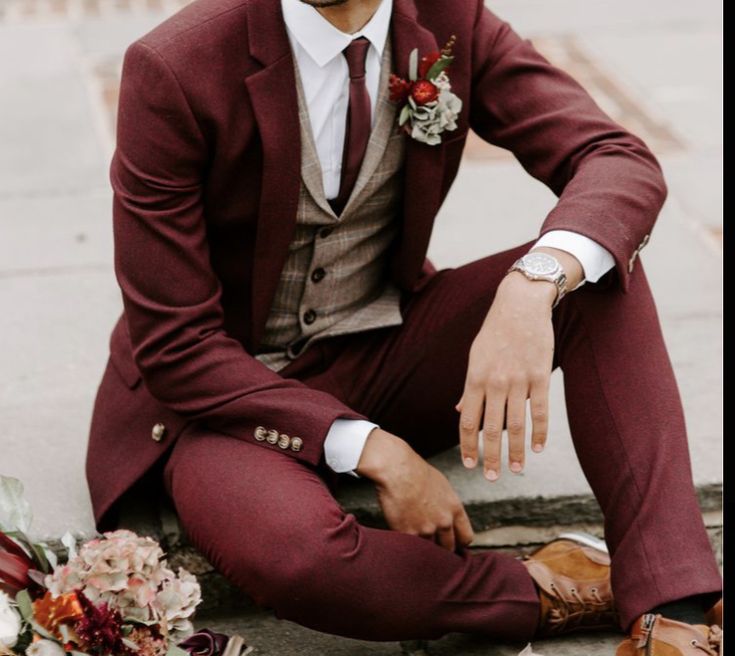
(272, 92)
(424, 163)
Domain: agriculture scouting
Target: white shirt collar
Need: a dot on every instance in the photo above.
(323, 41)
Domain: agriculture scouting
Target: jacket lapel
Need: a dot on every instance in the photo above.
(272, 93)
(424, 164)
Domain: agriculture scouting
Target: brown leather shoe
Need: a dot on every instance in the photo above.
(654, 635)
(714, 614)
(573, 577)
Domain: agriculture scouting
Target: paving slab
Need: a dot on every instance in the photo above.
(272, 637)
(48, 145)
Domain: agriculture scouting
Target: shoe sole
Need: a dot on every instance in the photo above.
(586, 539)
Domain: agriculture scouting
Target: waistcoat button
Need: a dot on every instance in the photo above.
(309, 316)
(317, 275)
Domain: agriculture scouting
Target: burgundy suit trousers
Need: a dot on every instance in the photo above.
(271, 525)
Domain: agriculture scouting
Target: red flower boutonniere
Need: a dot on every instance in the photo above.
(429, 106)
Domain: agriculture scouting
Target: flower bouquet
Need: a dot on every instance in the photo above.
(113, 596)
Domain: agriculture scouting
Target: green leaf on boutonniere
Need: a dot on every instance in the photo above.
(405, 115)
(413, 65)
(438, 66)
(173, 650)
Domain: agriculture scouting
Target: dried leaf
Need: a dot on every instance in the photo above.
(15, 511)
(70, 542)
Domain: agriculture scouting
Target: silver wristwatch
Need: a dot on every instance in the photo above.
(542, 266)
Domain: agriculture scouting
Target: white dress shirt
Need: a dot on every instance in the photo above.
(317, 47)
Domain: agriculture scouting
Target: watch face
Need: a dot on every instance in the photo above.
(540, 264)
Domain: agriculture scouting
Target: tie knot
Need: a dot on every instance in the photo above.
(355, 54)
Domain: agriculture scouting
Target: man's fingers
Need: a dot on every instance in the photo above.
(539, 414)
(469, 425)
(445, 537)
(516, 427)
(463, 529)
(492, 433)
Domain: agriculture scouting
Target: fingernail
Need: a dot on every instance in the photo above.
(469, 462)
(516, 467)
(538, 448)
(491, 475)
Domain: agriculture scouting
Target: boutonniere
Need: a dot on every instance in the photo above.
(428, 105)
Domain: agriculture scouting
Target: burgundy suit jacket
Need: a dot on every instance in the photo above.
(206, 182)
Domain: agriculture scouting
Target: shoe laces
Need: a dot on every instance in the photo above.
(567, 613)
(714, 642)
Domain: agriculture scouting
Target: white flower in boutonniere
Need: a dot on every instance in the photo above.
(428, 105)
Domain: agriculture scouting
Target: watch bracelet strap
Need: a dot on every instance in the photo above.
(560, 284)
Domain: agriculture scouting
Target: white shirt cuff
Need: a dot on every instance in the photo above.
(595, 259)
(344, 444)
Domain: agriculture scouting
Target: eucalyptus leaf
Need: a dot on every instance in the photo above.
(40, 557)
(15, 511)
(405, 115)
(25, 605)
(438, 66)
(413, 65)
(51, 557)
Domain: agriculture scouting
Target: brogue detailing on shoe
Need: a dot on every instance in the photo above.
(572, 605)
(651, 633)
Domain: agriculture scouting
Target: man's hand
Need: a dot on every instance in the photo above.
(415, 497)
(510, 362)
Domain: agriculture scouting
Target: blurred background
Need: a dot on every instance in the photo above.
(654, 66)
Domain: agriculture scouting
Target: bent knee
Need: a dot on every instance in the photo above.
(301, 563)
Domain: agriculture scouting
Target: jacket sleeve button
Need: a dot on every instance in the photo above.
(158, 432)
(296, 443)
(272, 436)
(260, 433)
(284, 441)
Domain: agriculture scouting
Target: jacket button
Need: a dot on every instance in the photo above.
(284, 441)
(296, 444)
(317, 275)
(272, 436)
(157, 432)
(260, 433)
(309, 317)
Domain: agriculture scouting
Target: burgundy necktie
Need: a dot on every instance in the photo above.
(357, 130)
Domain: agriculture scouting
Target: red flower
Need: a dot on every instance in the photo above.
(14, 566)
(427, 61)
(424, 92)
(100, 628)
(399, 89)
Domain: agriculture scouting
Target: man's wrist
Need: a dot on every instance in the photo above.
(542, 290)
(382, 456)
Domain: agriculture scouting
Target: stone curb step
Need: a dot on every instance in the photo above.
(515, 525)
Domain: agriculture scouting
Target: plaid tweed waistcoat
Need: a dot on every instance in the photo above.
(335, 279)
